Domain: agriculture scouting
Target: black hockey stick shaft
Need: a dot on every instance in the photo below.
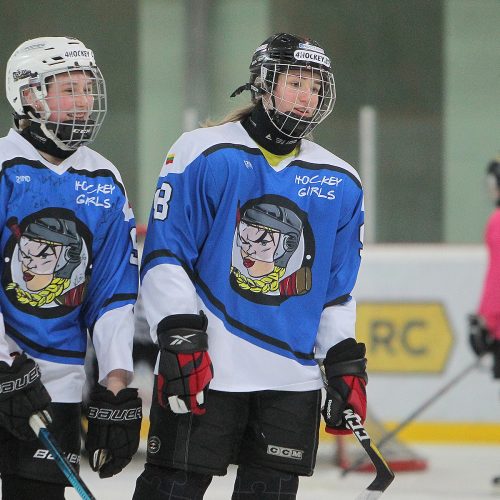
(384, 475)
(43, 434)
(415, 413)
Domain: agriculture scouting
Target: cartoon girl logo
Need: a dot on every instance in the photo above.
(47, 267)
(270, 257)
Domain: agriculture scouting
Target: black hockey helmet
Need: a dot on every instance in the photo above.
(278, 55)
(493, 169)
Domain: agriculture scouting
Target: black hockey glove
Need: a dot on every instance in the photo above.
(21, 394)
(114, 429)
(480, 338)
(185, 369)
(345, 369)
(496, 358)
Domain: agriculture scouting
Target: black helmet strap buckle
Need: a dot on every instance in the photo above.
(247, 86)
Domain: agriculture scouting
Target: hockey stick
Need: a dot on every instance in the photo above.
(384, 476)
(39, 428)
(387, 437)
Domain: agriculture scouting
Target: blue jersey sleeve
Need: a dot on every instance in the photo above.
(338, 318)
(181, 217)
(347, 253)
(114, 278)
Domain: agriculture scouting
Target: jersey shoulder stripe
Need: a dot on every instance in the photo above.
(34, 348)
(15, 149)
(318, 157)
(204, 141)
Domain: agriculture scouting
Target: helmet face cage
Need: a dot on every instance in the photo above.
(54, 81)
(70, 105)
(314, 97)
(297, 66)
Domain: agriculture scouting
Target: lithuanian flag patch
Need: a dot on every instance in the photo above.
(170, 159)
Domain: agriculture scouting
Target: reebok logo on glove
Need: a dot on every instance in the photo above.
(328, 409)
(179, 339)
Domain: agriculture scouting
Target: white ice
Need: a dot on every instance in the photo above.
(455, 472)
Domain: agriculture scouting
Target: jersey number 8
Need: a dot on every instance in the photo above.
(162, 198)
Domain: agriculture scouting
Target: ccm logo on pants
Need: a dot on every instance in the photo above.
(284, 452)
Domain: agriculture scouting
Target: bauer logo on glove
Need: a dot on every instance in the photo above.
(114, 429)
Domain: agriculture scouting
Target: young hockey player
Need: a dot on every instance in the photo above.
(252, 250)
(485, 325)
(68, 266)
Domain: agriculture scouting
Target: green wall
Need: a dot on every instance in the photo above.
(160, 93)
(167, 69)
(472, 113)
(430, 68)
(388, 55)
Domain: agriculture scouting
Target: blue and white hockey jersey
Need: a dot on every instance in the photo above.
(68, 266)
(269, 254)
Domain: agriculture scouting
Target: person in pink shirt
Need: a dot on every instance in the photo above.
(485, 325)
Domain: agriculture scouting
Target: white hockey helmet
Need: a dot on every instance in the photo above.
(34, 66)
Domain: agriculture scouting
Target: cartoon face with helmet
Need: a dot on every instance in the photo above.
(267, 240)
(45, 262)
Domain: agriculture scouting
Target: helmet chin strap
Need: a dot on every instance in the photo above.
(76, 131)
(261, 129)
(248, 86)
(282, 121)
(37, 137)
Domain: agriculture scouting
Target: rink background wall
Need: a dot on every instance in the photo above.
(413, 302)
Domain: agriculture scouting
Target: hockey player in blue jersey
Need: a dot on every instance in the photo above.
(68, 266)
(252, 251)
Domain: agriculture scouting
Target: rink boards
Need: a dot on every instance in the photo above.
(413, 302)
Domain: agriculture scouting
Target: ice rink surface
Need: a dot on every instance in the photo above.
(459, 472)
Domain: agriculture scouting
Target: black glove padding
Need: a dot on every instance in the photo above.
(21, 394)
(496, 359)
(480, 338)
(185, 369)
(114, 429)
(345, 370)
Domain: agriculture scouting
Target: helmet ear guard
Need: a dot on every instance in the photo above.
(291, 242)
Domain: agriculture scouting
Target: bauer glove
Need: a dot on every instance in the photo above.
(114, 429)
(185, 369)
(22, 394)
(345, 370)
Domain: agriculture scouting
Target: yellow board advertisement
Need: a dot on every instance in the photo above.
(403, 337)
